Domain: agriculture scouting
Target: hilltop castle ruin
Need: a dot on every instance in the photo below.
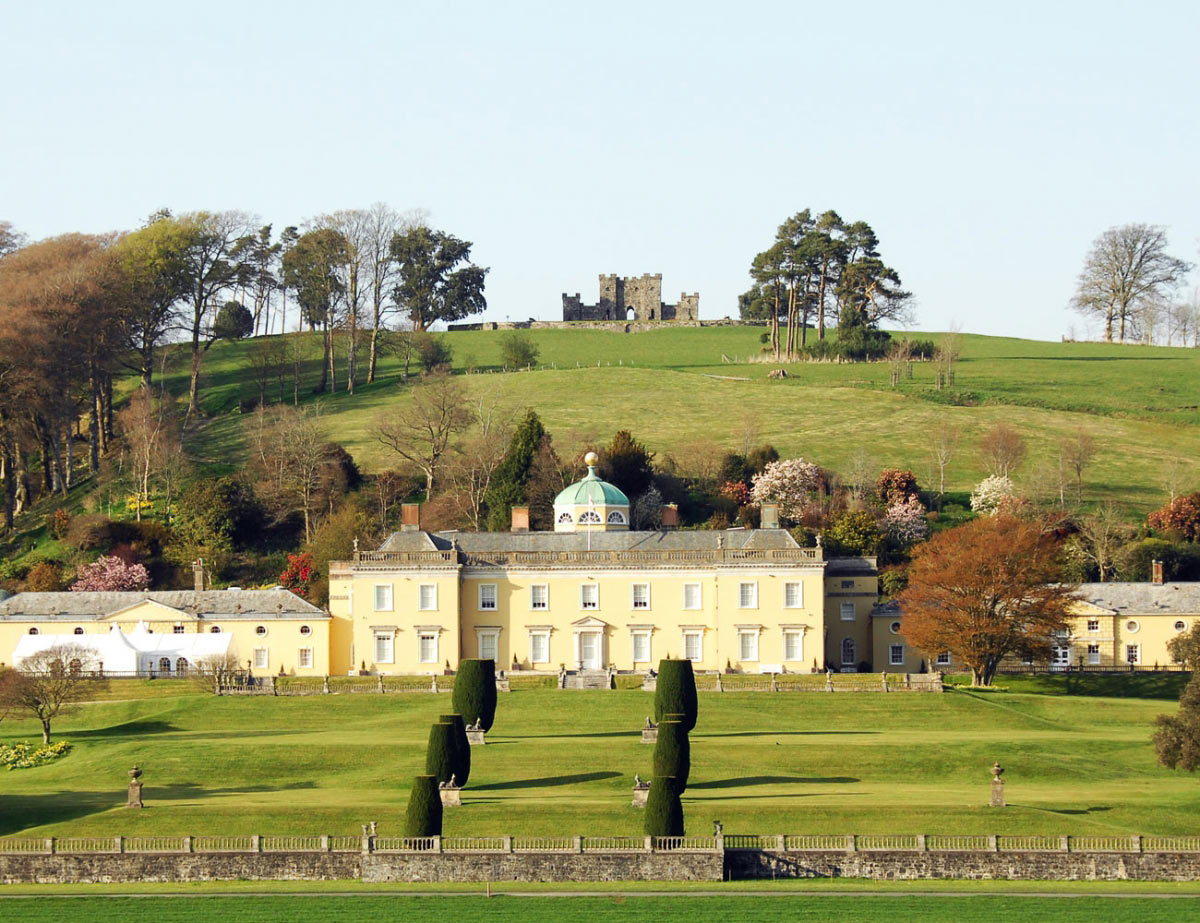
(636, 298)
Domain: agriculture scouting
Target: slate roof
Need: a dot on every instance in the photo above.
(211, 604)
(1172, 598)
(698, 540)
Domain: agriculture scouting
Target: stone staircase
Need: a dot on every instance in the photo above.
(586, 679)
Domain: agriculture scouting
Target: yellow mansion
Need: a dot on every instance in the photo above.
(593, 594)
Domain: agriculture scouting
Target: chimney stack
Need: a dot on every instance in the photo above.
(198, 574)
(410, 517)
(770, 516)
(670, 516)
(1156, 572)
(520, 519)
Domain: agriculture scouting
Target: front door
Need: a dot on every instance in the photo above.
(1060, 657)
(589, 650)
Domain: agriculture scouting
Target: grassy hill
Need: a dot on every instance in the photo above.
(674, 388)
(561, 763)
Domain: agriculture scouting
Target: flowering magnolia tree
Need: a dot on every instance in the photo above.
(790, 482)
(111, 574)
(990, 493)
(904, 521)
(299, 575)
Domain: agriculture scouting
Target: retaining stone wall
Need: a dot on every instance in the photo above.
(658, 866)
(178, 867)
(909, 866)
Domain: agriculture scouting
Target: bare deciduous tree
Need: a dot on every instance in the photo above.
(212, 672)
(421, 433)
(860, 477)
(1127, 269)
(1101, 535)
(943, 447)
(49, 683)
(290, 447)
(1077, 452)
(150, 426)
(1002, 449)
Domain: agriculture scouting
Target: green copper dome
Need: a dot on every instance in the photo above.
(592, 489)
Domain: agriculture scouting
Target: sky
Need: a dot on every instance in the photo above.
(987, 146)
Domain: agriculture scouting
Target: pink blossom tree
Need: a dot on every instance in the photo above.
(111, 574)
(790, 482)
(905, 523)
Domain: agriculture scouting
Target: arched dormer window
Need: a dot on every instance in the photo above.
(564, 517)
(616, 518)
(589, 516)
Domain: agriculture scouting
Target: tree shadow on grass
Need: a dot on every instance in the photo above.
(706, 798)
(598, 734)
(774, 780)
(782, 733)
(23, 811)
(547, 781)
(1092, 810)
(127, 729)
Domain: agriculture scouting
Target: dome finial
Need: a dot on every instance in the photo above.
(590, 459)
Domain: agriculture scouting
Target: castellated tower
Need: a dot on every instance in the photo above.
(634, 298)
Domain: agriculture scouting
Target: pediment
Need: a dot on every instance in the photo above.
(149, 610)
(1081, 607)
(590, 622)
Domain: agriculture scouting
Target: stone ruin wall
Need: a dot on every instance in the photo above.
(640, 294)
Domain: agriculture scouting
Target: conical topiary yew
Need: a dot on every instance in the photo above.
(462, 749)
(475, 692)
(664, 811)
(441, 755)
(424, 814)
(675, 692)
(672, 753)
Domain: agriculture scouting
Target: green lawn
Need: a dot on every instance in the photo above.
(562, 763)
(767, 908)
(1139, 403)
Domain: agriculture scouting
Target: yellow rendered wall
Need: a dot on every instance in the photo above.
(358, 610)
(863, 593)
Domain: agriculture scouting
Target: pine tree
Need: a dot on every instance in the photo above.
(424, 814)
(475, 692)
(512, 477)
(675, 691)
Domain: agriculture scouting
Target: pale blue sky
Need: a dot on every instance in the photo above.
(986, 147)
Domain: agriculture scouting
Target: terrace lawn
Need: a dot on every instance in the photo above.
(562, 763)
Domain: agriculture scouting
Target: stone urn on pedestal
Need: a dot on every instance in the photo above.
(135, 789)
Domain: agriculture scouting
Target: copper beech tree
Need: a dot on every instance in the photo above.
(986, 590)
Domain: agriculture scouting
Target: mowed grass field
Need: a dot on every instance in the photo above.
(1140, 404)
(562, 763)
(758, 908)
